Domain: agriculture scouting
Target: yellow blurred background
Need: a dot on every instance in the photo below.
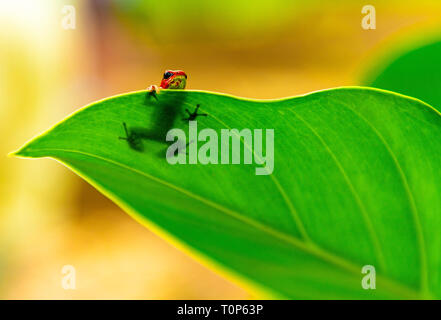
(49, 217)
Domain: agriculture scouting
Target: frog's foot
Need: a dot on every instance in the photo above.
(152, 91)
(132, 139)
(193, 115)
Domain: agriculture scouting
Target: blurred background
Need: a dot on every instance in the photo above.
(49, 217)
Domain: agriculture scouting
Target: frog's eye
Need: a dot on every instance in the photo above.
(167, 75)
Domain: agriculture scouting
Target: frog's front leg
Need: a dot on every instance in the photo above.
(152, 91)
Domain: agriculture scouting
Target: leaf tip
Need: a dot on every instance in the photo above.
(22, 152)
(16, 154)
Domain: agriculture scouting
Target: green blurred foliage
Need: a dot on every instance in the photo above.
(192, 20)
(415, 73)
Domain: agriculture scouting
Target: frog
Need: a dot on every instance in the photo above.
(174, 79)
(171, 79)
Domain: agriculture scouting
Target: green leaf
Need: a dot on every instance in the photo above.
(356, 182)
(415, 72)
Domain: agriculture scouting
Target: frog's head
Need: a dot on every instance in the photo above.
(174, 79)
